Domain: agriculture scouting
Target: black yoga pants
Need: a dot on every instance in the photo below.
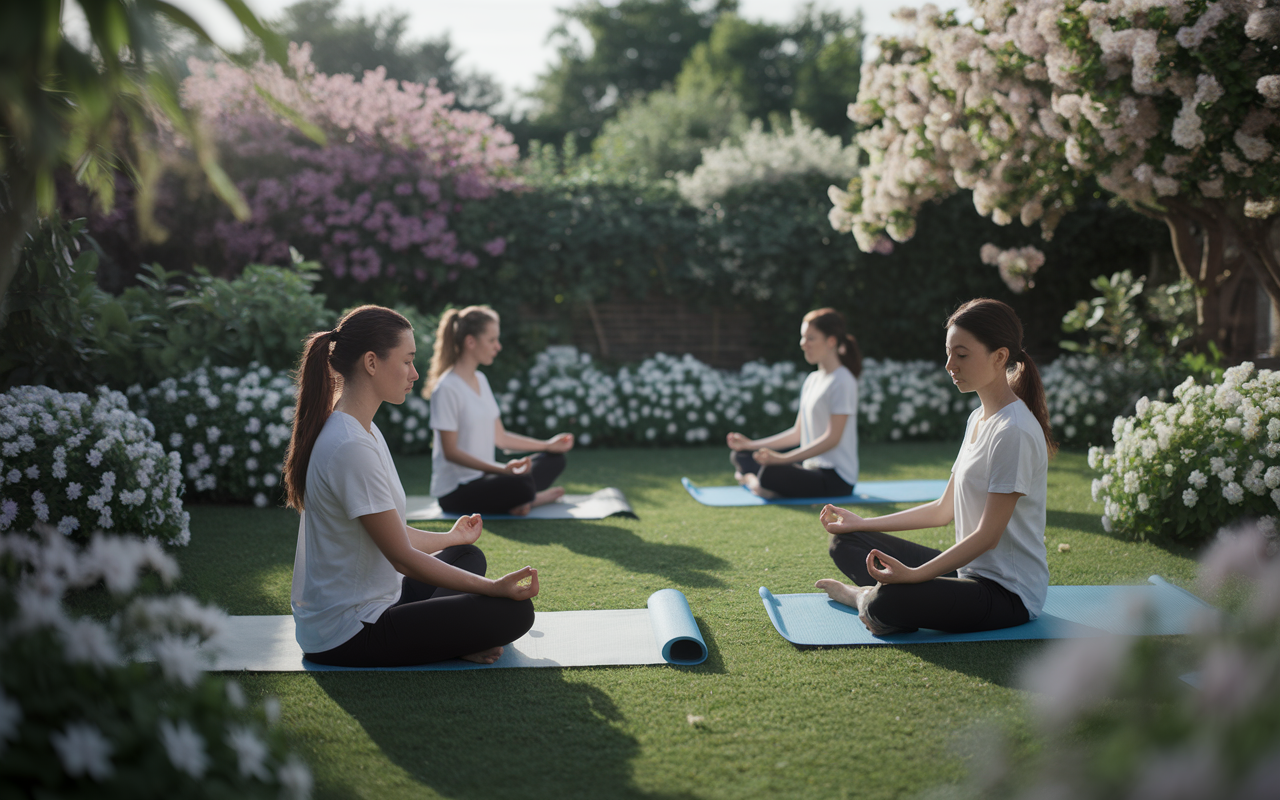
(791, 480)
(949, 603)
(432, 624)
(498, 494)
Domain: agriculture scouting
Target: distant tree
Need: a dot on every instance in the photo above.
(351, 45)
(665, 131)
(810, 65)
(636, 47)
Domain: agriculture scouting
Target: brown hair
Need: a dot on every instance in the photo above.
(329, 357)
(996, 325)
(831, 323)
(455, 326)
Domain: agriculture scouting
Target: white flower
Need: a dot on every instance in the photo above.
(1198, 479)
(271, 709)
(85, 641)
(295, 779)
(1189, 498)
(1233, 492)
(178, 659)
(251, 752)
(83, 750)
(191, 420)
(185, 747)
(260, 500)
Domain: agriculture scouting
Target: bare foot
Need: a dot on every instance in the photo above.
(485, 656)
(842, 593)
(752, 482)
(740, 478)
(520, 511)
(547, 496)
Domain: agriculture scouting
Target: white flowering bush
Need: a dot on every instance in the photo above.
(1085, 394)
(230, 425)
(1119, 719)
(82, 714)
(1185, 468)
(80, 463)
(406, 427)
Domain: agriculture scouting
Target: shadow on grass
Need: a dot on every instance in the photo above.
(528, 733)
(997, 662)
(681, 564)
(240, 557)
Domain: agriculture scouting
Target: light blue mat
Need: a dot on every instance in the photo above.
(664, 632)
(865, 493)
(814, 620)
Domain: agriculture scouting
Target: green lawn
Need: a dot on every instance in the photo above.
(776, 721)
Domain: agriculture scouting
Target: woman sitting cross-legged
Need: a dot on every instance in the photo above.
(368, 590)
(468, 426)
(824, 458)
(996, 574)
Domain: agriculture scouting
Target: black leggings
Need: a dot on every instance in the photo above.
(948, 603)
(432, 624)
(498, 494)
(790, 480)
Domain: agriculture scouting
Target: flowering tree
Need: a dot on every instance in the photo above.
(1167, 104)
(377, 199)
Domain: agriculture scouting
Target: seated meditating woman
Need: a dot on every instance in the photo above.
(468, 426)
(368, 590)
(996, 574)
(824, 461)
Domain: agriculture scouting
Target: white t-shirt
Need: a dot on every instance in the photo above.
(340, 577)
(455, 406)
(1009, 455)
(822, 395)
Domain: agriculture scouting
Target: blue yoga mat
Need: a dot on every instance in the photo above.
(815, 620)
(865, 493)
(664, 632)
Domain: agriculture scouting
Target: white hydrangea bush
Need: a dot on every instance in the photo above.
(231, 427)
(1186, 468)
(1159, 717)
(122, 708)
(79, 463)
(1085, 393)
(406, 427)
(900, 400)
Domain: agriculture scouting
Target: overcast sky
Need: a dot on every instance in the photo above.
(508, 38)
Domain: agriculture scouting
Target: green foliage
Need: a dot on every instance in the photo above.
(1127, 319)
(357, 43)
(810, 65)
(637, 46)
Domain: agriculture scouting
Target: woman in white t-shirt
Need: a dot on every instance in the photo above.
(824, 461)
(368, 590)
(996, 574)
(465, 478)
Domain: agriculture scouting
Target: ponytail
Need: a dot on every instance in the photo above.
(996, 325)
(831, 323)
(328, 357)
(455, 326)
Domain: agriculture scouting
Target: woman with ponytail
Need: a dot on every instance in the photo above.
(368, 590)
(824, 461)
(996, 574)
(465, 478)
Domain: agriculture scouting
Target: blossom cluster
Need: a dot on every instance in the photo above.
(1086, 393)
(231, 427)
(1189, 466)
(1017, 265)
(1155, 98)
(1214, 738)
(377, 198)
(122, 708)
(79, 464)
(762, 157)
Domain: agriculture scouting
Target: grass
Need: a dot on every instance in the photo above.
(776, 721)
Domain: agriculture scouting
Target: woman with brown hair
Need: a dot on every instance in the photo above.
(996, 574)
(368, 590)
(465, 478)
(824, 458)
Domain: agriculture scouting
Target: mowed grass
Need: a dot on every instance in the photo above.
(758, 719)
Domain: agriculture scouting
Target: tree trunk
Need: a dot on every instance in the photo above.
(17, 216)
(1258, 239)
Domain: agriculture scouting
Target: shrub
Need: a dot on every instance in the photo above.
(231, 427)
(1188, 467)
(81, 716)
(79, 464)
(1085, 394)
(1117, 718)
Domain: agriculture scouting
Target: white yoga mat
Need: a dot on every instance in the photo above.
(597, 505)
(663, 633)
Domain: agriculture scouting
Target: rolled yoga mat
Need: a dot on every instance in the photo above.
(663, 633)
(865, 493)
(814, 620)
(597, 505)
